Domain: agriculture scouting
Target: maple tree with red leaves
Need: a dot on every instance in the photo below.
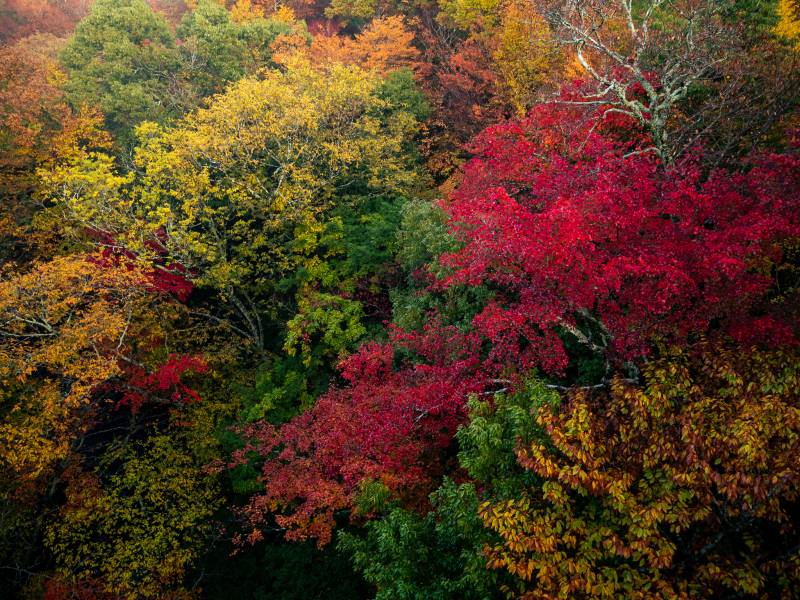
(163, 384)
(572, 226)
(385, 425)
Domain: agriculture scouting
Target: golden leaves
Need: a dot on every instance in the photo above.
(625, 475)
(789, 22)
(140, 529)
(220, 192)
(525, 54)
(63, 327)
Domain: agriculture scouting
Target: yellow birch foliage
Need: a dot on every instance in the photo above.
(140, 530)
(468, 13)
(244, 10)
(525, 54)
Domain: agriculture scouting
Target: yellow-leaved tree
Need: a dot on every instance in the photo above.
(526, 55)
(224, 192)
(680, 488)
(65, 327)
(789, 21)
(138, 532)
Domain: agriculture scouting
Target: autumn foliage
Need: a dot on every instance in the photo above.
(579, 225)
(386, 426)
(340, 299)
(648, 253)
(685, 485)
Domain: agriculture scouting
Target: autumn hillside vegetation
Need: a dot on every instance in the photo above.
(423, 300)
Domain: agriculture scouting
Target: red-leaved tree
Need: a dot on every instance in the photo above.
(579, 233)
(387, 424)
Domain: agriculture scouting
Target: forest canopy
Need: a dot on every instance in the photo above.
(441, 299)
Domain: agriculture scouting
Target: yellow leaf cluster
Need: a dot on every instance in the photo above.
(526, 55)
(63, 327)
(221, 192)
(140, 530)
(244, 10)
(789, 22)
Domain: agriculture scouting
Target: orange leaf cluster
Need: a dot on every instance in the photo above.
(385, 45)
(678, 488)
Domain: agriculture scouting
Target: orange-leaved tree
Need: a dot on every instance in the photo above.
(385, 45)
(684, 487)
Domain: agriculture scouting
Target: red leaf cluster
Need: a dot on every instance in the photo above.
(573, 221)
(163, 384)
(387, 424)
(171, 279)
